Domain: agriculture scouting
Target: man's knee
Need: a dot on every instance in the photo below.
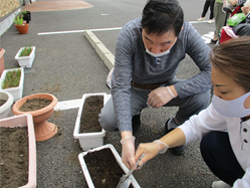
(202, 100)
(106, 123)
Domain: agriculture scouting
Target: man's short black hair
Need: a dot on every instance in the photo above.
(161, 16)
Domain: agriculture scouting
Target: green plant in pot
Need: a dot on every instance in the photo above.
(20, 25)
(25, 56)
(19, 20)
(26, 51)
(12, 79)
(26, 16)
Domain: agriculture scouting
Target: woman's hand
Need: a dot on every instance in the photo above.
(150, 150)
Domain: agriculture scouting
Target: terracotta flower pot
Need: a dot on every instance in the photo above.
(23, 29)
(43, 129)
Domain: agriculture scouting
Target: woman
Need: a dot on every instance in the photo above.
(207, 4)
(224, 127)
(219, 18)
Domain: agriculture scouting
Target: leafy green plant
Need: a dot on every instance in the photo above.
(11, 79)
(26, 51)
(23, 12)
(19, 20)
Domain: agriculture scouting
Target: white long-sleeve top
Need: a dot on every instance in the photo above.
(239, 135)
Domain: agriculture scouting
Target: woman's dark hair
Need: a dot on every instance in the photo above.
(161, 16)
(233, 59)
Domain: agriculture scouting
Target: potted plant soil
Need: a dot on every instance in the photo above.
(41, 107)
(6, 101)
(22, 27)
(25, 56)
(87, 128)
(18, 152)
(2, 51)
(12, 82)
(103, 167)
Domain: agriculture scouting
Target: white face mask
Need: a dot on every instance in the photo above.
(158, 54)
(232, 108)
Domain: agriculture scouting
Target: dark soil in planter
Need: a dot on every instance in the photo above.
(104, 170)
(89, 117)
(2, 102)
(34, 104)
(13, 157)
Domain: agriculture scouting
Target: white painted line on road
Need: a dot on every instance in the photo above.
(193, 22)
(72, 104)
(105, 29)
(78, 31)
(206, 40)
(207, 37)
(60, 32)
(100, 29)
(67, 105)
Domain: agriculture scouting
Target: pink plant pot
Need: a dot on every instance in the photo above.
(2, 51)
(22, 121)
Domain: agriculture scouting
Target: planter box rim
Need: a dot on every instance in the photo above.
(6, 107)
(22, 121)
(2, 51)
(117, 157)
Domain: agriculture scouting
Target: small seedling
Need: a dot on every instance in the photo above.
(26, 51)
(19, 20)
(12, 79)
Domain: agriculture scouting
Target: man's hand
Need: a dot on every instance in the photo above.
(128, 152)
(161, 96)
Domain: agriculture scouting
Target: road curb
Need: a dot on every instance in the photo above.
(100, 48)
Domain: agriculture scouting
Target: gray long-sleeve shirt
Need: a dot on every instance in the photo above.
(132, 63)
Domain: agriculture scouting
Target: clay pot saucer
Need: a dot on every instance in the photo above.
(43, 129)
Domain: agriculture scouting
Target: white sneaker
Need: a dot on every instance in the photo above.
(220, 184)
(210, 21)
(201, 19)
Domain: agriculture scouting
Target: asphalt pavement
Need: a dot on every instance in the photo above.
(67, 66)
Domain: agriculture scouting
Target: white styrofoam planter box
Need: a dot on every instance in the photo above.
(25, 61)
(5, 109)
(23, 121)
(118, 159)
(88, 140)
(17, 92)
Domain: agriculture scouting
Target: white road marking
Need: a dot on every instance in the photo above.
(207, 37)
(99, 29)
(78, 31)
